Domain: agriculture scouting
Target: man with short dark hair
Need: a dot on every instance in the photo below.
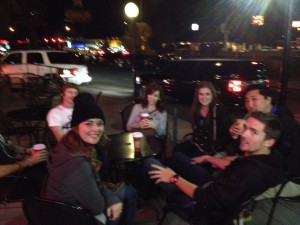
(261, 98)
(244, 178)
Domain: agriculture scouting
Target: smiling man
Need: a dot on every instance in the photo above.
(260, 168)
(261, 98)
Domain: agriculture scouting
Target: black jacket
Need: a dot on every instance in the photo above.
(243, 179)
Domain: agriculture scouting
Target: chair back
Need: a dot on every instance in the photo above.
(125, 114)
(47, 212)
(7, 184)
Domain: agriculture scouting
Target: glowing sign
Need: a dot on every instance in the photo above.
(258, 20)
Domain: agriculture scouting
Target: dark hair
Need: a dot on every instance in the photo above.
(271, 122)
(263, 90)
(151, 88)
(197, 105)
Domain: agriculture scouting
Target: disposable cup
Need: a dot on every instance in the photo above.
(145, 116)
(137, 136)
(38, 147)
(240, 123)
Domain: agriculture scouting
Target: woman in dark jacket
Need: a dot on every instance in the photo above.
(210, 124)
(73, 175)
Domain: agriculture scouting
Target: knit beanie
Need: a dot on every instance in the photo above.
(85, 108)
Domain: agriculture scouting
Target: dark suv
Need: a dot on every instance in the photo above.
(229, 76)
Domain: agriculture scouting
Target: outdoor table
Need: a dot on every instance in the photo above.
(34, 117)
(121, 148)
(121, 152)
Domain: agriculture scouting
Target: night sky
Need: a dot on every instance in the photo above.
(170, 20)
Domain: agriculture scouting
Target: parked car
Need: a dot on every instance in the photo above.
(229, 76)
(56, 63)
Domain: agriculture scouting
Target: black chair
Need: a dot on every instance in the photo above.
(47, 212)
(7, 183)
(125, 114)
(10, 128)
(9, 191)
(294, 179)
(189, 212)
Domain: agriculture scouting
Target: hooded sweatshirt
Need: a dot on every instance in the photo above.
(71, 180)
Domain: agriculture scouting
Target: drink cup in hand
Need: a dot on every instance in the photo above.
(144, 116)
(38, 147)
(137, 136)
(239, 125)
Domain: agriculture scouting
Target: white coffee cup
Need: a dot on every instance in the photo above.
(38, 147)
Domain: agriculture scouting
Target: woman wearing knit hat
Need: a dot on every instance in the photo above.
(73, 165)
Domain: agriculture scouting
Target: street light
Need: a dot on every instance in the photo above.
(132, 11)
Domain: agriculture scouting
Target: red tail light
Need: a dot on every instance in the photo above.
(74, 72)
(235, 86)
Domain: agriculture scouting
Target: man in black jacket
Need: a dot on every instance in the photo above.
(259, 169)
(260, 98)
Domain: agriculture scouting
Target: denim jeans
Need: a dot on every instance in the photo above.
(128, 197)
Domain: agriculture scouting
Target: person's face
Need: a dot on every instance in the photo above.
(205, 96)
(91, 130)
(153, 98)
(69, 95)
(253, 138)
(254, 101)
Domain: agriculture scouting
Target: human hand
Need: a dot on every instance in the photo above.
(237, 128)
(161, 174)
(38, 156)
(200, 159)
(147, 123)
(114, 211)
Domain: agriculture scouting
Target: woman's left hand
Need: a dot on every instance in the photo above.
(114, 211)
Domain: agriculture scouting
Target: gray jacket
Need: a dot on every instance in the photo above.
(71, 180)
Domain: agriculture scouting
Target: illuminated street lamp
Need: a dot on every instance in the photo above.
(132, 11)
(11, 29)
(67, 28)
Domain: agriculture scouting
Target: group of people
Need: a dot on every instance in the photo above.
(224, 164)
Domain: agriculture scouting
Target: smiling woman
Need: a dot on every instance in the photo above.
(77, 168)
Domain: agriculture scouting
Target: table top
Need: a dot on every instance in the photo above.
(121, 148)
(29, 114)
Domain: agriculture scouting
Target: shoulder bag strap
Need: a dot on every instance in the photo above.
(215, 123)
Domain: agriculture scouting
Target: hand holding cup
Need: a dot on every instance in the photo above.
(38, 154)
(237, 128)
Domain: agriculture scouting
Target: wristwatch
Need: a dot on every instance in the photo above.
(173, 179)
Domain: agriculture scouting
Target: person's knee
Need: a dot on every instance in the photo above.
(147, 163)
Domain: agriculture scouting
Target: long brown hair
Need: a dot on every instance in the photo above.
(75, 144)
(197, 105)
(152, 87)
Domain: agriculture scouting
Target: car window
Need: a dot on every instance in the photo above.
(61, 58)
(172, 69)
(189, 70)
(14, 58)
(242, 68)
(35, 58)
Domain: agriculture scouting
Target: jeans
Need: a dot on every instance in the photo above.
(128, 197)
